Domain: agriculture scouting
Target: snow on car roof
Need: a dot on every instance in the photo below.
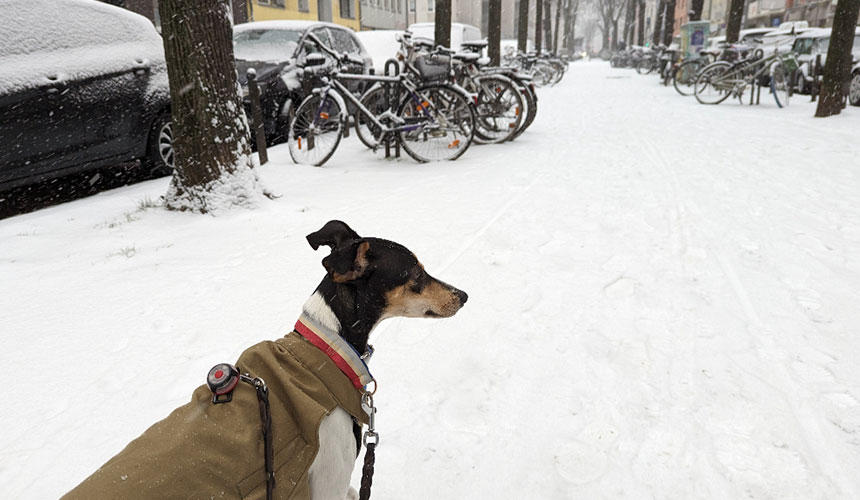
(41, 47)
(815, 33)
(293, 25)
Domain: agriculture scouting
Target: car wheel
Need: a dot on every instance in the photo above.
(854, 89)
(799, 83)
(159, 155)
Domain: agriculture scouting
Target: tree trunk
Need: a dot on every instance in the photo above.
(539, 25)
(442, 32)
(547, 25)
(837, 69)
(494, 32)
(658, 22)
(670, 22)
(640, 38)
(733, 25)
(628, 22)
(558, 8)
(210, 130)
(523, 27)
(696, 8)
(614, 35)
(571, 36)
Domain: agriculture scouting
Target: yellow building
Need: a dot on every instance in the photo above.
(343, 12)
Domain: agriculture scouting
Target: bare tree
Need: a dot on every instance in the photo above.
(494, 35)
(610, 12)
(547, 24)
(560, 5)
(523, 26)
(211, 137)
(570, 14)
(696, 8)
(630, 11)
(640, 31)
(669, 29)
(442, 32)
(539, 26)
(837, 69)
(733, 25)
(659, 18)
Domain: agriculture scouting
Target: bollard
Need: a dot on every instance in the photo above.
(257, 115)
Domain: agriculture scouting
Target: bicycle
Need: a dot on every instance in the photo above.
(722, 79)
(432, 121)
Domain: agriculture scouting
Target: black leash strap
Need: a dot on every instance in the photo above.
(266, 419)
(222, 379)
(367, 472)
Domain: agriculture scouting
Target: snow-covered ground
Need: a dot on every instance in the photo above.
(663, 304)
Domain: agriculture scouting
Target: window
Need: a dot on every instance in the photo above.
(431, 4)
(342, 42)
(347, 11)
(276, 3)
(304, 6)
(411, 5)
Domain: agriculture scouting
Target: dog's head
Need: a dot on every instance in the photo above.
(385, 272)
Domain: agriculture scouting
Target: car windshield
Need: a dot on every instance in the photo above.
(265, 44)
(823, 44)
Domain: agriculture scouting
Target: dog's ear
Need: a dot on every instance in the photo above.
(333, 234)
(348, 262)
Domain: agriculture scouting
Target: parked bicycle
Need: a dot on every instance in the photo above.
(431, 121)
(720, 80)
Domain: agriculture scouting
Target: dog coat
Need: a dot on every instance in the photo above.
(206, 450)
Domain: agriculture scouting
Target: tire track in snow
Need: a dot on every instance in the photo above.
(806, 417)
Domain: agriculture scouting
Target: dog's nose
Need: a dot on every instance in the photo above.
(462, 296)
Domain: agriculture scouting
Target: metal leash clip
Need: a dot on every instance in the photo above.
(370, 435)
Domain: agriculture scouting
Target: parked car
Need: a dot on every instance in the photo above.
(808, 47)
(854, 89)
(81, 89)
(783, 38)
(459, 33)
(276, 50)
(382, 45)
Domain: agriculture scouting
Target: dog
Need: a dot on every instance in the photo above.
(316, 378)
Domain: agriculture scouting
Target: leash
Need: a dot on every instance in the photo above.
(222, 379)
(370, 440)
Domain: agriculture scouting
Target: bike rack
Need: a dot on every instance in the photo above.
(392, 68)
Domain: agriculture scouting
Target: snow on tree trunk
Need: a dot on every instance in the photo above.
(837, 69)
(211, 135)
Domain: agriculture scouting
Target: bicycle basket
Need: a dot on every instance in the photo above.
(432, 68)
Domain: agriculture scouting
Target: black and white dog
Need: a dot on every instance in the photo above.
(367, 281)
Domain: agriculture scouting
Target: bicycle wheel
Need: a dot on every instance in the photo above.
(368, 133)
(711, 86)
(645, 66)
(315, 130)
(439, 123)
(779, 84)
(685, 76)
(498, 109)
(530, 102)
(543, 74)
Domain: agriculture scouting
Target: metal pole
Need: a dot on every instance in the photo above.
(257, 116)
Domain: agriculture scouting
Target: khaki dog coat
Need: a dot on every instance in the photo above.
(204, 450)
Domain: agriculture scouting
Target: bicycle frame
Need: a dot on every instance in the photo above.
(333, 86)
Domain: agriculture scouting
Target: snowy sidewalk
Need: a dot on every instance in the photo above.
(663, 303)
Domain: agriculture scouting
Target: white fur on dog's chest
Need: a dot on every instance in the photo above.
(332, 468)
